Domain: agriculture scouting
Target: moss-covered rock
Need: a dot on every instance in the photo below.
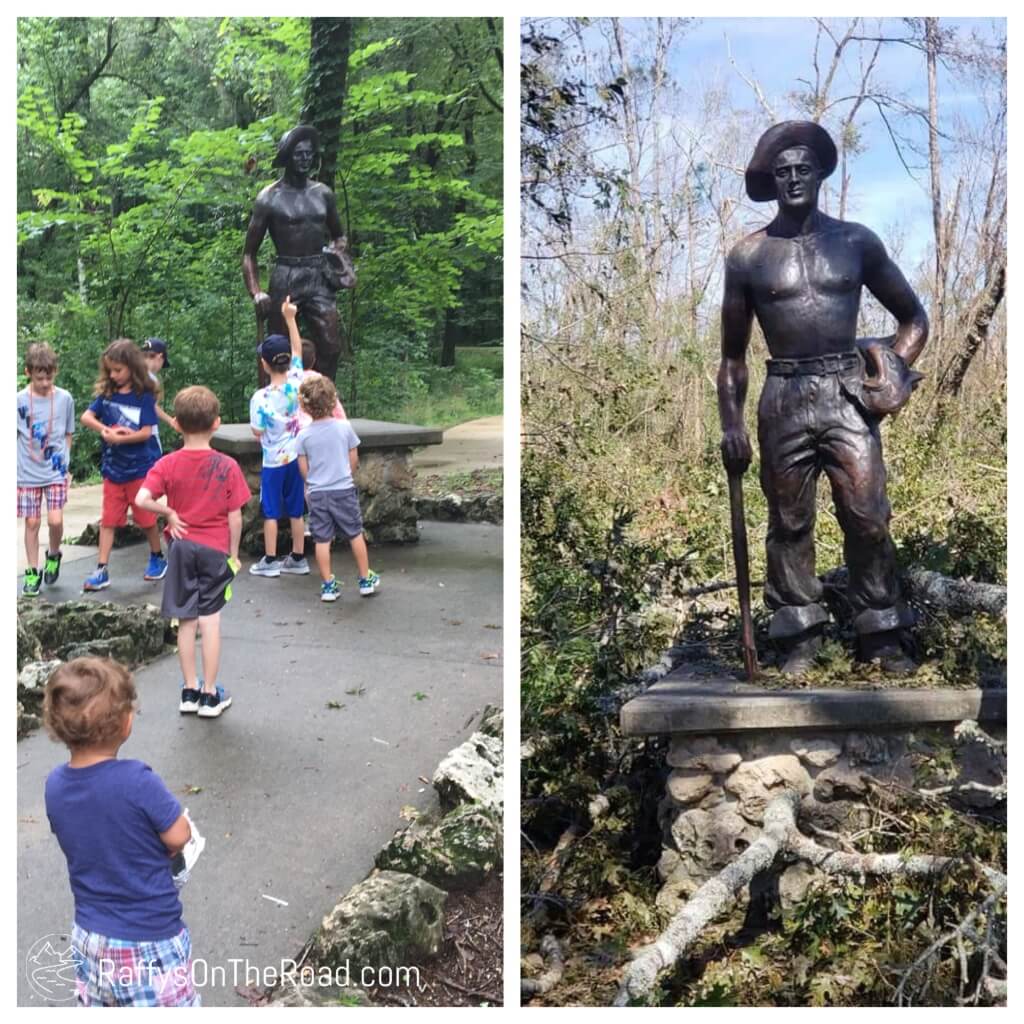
(131, 633)
(456, 853)
(471, 773)
(389, 919)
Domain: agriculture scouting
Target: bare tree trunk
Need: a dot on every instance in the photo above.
(952, 378)
(931, 37)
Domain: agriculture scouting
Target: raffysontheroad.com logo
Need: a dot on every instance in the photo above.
(50, 968)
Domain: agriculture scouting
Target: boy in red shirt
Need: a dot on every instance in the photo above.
(205, 491)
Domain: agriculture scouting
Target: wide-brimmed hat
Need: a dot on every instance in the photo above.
(760, 177)
(300, 133)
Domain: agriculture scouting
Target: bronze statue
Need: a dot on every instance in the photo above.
(824, 396)
(301, 215)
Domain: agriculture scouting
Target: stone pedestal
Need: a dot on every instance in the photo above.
(734, 746)
(384, 478)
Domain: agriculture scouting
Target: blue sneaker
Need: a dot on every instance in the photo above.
(369, 585)
(157, 567)
(331, 590)
(98, 580)
(212, 705)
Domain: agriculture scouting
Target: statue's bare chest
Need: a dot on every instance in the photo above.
(809, 266)
(298, 208)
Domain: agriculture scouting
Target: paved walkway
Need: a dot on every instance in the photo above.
(468, 446)
(295, 798)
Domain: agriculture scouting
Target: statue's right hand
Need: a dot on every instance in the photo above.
(736, 450)
(261, 300)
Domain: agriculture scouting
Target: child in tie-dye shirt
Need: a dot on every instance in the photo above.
(276, 419)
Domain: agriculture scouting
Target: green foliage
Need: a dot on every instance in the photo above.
(134, 196)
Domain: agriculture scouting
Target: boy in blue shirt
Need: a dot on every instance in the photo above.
(119, 828)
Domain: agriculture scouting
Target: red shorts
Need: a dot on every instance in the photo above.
(117, 498)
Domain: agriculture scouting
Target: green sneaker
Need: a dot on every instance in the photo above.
(51, 570)
(33, 581)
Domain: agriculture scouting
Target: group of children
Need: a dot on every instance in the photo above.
(119, 852)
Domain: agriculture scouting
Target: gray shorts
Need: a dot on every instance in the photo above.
(334, 514)
(198, 581)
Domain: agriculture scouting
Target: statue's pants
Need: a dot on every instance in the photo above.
(807, 424)
(302, 278)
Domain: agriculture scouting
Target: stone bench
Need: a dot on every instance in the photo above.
(384, 478)
(733, 746)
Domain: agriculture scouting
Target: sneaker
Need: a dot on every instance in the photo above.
(51, 570)
(266, 567)
(212, 705)
(295, 566)
(369, 585)
(190, 700)
(157, 567)
(98, 580)
(33, 581)
(331, 590)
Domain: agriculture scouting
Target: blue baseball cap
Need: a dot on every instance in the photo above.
(157, 345)
(276, 349)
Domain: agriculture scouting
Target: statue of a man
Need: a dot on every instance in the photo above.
(301, 215)
(802, 275)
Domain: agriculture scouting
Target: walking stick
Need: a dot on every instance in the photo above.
(262, 380)
(739, 550)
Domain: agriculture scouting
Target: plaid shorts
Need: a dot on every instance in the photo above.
(117, 972)
(30, 499)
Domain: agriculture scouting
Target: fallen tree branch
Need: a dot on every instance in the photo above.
(551, 949)
(927, 959)
(779, 836)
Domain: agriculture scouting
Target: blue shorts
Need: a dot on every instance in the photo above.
(282, 492)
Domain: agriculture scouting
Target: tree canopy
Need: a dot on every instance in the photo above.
(142, 143)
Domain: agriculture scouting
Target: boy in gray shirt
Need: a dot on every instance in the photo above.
(328, 457)
(46, 421)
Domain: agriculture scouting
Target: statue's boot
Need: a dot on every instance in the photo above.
(799, 652)
(888, 649)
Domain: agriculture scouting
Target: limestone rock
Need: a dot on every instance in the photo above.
(36, 674)
(686, 788)
(816, 751)
(835, 815)
(794, 883)
(131, 633)
(867, 748)
(754, 783)
(456, 853)
(704, 842)
(471, 773)
(29, 648)
(492, 722)
(702, 753)
(27, 721)
(390, 919)
(841, 782)
(708, 840)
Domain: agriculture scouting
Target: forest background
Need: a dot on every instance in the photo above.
(636, 133)
(143, 142)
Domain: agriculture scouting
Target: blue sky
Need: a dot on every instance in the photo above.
(777, 51)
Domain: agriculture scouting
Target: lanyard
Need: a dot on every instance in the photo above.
(41, 457)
